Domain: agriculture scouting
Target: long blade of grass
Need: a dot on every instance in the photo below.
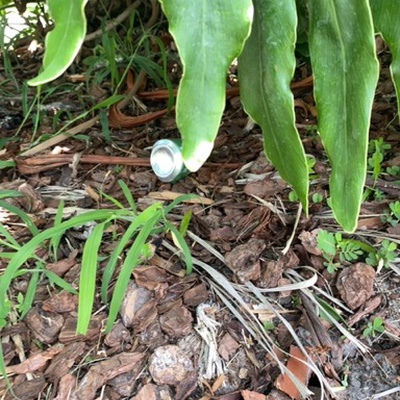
(140, 220)
(87, 277)
(128, 195)
(55, 240)
(179, 200)
(129, 264)
(112, 200)
(22, 215)
(8, 238)
(182, 246)
(29, 295)
(27, 251)
(56, 280)
(4, 373)
(8, 193)
(7, 255)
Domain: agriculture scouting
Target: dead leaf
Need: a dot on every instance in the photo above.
(227, 347)
(117, 119)
(298, 367)
(218, 383)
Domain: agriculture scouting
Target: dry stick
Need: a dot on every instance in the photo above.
(112, 24)
(155, 9)
(85, 125)
(61, 137)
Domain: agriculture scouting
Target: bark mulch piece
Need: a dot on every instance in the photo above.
(356, 284)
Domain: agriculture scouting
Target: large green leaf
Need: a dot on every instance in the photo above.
(345, 70)
(266, 67)
(209, 34)
(386, 16)
(64, 41)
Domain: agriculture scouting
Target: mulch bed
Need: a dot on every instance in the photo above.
(175, 337)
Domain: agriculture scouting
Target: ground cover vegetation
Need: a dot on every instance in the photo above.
(217, 286)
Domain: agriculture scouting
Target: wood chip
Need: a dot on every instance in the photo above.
(356, 284)
(169, 365)
(102, 372)
(169, 196)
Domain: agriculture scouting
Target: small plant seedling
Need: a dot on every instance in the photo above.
(327, 244)
(334, 245)
(373, 328)
(311, 129)
(317, 198)
(393, 171)
(310, 167)
(392, 216)
(293, 196)
(268, 326)
(383, 256)
(377, 149)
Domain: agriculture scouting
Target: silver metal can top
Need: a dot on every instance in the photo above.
(166, 160)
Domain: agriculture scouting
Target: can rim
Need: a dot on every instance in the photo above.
(166, 160)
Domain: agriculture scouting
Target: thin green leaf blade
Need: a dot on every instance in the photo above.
(209, 34)
(182, 246)
(56, 280)
(30, 294)
(386, 16)
(345, 70)
(64, 41)
(140, 220)
(27, 251)
(87, 278)
(22, 215)
(130, 262)
(266, 67)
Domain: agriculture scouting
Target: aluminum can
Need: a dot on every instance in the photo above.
(166, 160)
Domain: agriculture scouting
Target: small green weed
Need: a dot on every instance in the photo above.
(268, 326)
(393, 171)
(385, 254)
(373, 328)
(377, 149)
(317, 198)
(336, 250)
(293, 196)
(392, 216)
(333, 245)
